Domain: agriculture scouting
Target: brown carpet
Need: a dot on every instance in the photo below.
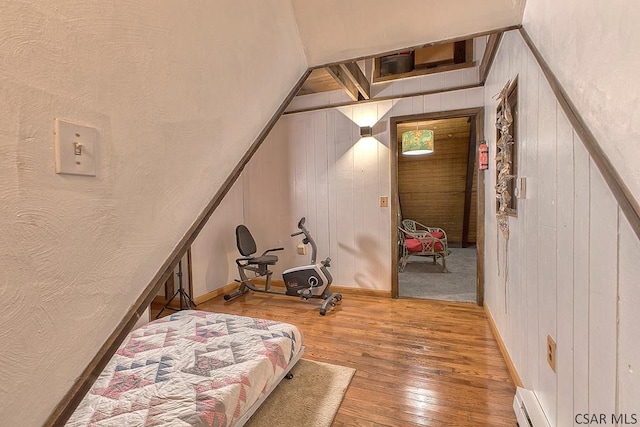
(310, 399)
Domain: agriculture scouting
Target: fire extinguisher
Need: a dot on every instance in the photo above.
(483, 156)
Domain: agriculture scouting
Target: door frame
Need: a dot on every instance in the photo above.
(476, 114)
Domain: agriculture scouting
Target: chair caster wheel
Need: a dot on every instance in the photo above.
(323, 312)
(289, 375)
(227, 297)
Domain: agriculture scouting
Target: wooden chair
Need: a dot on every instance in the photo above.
(418, 239)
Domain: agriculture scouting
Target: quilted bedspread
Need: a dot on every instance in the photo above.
(192, 368)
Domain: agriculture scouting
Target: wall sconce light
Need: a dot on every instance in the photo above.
(366, 131)
(416, 142)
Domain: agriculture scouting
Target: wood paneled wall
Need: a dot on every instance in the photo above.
(432, 187)
(570, 267)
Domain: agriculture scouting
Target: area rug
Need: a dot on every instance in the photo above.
(422, 279)
(310, 399)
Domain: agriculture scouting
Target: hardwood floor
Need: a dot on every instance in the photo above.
(418, 362)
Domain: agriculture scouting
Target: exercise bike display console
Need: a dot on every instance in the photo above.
(307, 281)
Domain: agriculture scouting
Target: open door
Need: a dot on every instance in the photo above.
(460, 213)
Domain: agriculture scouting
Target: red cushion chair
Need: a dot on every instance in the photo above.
(418, 239)
(413, 245)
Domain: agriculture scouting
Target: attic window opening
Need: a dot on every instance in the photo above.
(425, 60)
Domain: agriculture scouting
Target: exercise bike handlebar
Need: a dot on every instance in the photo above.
(272, 250)
(307, 239)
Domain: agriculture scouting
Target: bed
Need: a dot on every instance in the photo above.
(192, 368)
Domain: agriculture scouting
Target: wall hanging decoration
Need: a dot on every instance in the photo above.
(503, 159)
(504, 176)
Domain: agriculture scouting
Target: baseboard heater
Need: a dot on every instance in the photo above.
(528, 410)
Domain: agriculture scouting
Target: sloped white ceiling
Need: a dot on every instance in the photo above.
(338, 30)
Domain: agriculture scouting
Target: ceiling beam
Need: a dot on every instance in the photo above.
(351, 78)
(358, 78)
(344, 80)
(489, 55)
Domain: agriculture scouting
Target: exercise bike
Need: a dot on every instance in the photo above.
(307, 281)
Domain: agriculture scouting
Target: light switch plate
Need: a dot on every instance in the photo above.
(521, 188)
(75, 148)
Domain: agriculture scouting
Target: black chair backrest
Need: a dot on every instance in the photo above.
(245, 242)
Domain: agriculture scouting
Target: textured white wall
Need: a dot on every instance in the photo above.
(167, 87)
(596, 57)
(335, 30)
(567, 270)
(214, 252)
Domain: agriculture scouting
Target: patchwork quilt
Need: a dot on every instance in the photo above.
(192, 368)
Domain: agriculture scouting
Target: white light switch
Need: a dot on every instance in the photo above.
(521, 188)
(75, 148)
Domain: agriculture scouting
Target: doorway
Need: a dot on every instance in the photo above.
(444, 191)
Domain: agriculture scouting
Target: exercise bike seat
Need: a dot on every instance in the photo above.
(247, 247)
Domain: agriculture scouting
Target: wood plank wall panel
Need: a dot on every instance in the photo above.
(582, 218)
(318, 163)
(628, 377)
(603, 275)
(432, 187)
(577, 271)
(332, 126)
(547, 241)
(369, 241)
(564, 303)
(518, 270)
(528, 213)
(344, 224)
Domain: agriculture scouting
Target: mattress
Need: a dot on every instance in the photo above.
(192, 368)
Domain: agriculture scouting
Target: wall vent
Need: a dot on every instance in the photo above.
(528, 410)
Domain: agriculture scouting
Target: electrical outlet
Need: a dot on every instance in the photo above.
(551, 353)
(384, 201)
(302, 249)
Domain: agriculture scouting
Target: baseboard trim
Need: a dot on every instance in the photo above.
(215, 293)
(362, 291)
(503, 349)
